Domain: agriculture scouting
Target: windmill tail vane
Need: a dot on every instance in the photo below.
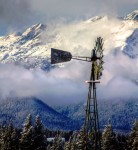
(60, 56)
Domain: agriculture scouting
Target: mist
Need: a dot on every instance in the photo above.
(55, 87)
(67, 85)
(120, 76)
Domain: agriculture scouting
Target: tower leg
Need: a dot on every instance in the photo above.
(91, 119)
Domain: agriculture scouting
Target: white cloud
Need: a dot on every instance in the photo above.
(67, 85)
(120, 78)
(56, 86)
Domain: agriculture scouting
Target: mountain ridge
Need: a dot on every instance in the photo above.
(32, 47)
(17, 109)
(122, 113)
(132, 16)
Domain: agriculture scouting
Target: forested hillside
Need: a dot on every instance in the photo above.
(122, 113)
(16, 110)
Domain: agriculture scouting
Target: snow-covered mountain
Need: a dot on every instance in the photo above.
(132, 16)
(16, 110)
(26, 48)
(32, 47)
(122, 114)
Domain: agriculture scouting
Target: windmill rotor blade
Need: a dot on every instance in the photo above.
(59, 56)
(99, 53)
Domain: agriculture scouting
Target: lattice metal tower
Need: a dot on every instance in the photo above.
(91, 119)
(91, 123)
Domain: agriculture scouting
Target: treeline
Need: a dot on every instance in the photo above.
(33, 136)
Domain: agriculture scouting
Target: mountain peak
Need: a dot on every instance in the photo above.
(96, 18)
(39, 26)
(34, 30)
(132, 16)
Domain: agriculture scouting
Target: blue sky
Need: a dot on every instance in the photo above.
(18, 14)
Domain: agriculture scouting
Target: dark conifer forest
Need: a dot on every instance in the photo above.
(33, 136)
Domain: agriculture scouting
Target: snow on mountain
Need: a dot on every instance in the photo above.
(26, 48)
(32, 47)
(131, 47)
(122, 114)
(17, 109)
(96, 18)
(132, 16)
(132, 41)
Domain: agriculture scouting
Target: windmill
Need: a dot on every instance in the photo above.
(91, 123)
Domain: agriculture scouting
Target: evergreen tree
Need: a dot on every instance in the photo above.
(81, 143)
(27, 140)
(14, 139)
(60, 143)
(109, 141)
(68, 144)
(133, 136)
(74, 141)
(48, 147)
(9, 138)
(39, 139)
(57, 143)
(135, 142)
(122, 142)
(2, 134)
